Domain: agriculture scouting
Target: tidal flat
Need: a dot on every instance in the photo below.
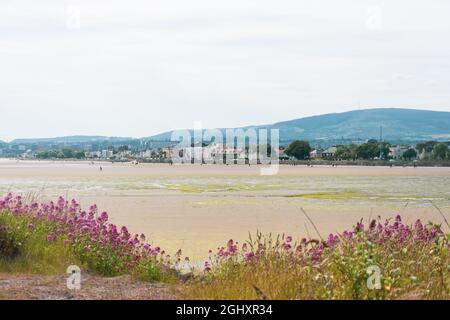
(197, 208)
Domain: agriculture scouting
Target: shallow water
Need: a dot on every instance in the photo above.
(199, 208)
(315, 189)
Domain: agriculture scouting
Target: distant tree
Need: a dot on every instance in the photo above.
(269, 150)
(384, 148)
(368, 150)
(410, 154)
(345, 153)
(67, 153)
(372, 149)
(53, 154)
(299, 149)
(340, 152)
(47, 154)
(42, 155)
(440, 151)
(123, 148)
(426, 146)
(353, 149)
(79, 155)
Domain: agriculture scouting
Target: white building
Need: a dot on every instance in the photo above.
(123, 155)
(214, 153)
(106, 154)
(29, 154)
(93, 154)
(329, 152)
(396, 152)
(315, 154)
(147, 154)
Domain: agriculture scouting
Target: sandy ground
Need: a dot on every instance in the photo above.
(197, 222)
(12, 168)
(41, 287)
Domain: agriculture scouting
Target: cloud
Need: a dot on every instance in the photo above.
(136, 68)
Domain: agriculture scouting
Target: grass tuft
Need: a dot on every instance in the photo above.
(46, 238)
(413, 263)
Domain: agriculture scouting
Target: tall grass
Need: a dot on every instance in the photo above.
(49, 237)
(413, 260)
(26, 250)
(414, 263)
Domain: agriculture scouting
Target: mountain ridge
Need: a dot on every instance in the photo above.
(70, 139)
(398, 124)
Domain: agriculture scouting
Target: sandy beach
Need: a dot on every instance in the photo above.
(14, 168)
(197, 208)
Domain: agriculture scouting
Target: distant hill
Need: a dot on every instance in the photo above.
(398, 125)
(70, 139)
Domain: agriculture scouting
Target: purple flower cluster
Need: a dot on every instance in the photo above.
(86, 232)
(230, 250)
(311, 252)
(398, 232)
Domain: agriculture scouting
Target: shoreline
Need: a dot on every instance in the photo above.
(69, 168)
(197, 207)
(314, 162)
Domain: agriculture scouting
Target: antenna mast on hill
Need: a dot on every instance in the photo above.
(381, 140)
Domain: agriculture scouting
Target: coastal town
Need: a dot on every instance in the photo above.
(216, 153)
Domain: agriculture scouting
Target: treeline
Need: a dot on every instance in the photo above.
(71, 153)
(373, 149)
(64, 153)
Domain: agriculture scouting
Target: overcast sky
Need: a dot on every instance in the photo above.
(140, 67)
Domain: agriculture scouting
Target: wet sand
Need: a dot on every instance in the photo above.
(12, 168)
(199, 220)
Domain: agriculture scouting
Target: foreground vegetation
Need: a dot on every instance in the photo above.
(46, 238)
(387, 260)
(381, 260)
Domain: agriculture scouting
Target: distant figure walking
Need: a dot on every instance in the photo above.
(101, 169)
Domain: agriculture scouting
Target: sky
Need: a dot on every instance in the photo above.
(141, 67)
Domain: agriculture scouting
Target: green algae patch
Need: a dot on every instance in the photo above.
(343, 195)
(200, 188)
(227, 202)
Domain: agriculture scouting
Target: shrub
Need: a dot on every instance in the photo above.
(414, 261)
(57, 234)
(9, 248)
